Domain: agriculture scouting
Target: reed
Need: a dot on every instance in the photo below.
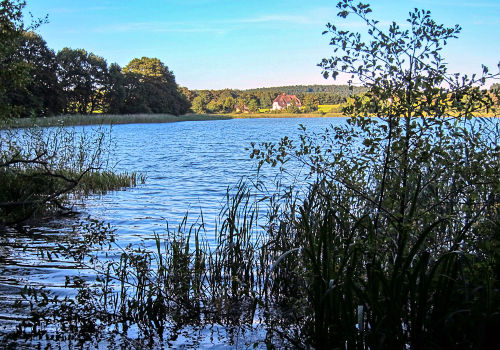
(106, 119)
(101, 182)
(390, 246)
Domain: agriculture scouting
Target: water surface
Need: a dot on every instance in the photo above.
(188, 168)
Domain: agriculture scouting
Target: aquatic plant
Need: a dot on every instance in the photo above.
(392, 242)
(41, 167)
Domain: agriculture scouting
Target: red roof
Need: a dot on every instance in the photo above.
(285, 100)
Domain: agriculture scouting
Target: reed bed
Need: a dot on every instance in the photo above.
(101, 182)
(357, 260)
(115, 119)
(107, 119)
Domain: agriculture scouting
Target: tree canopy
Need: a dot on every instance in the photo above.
(151, 88)
(35, 81)
(14, 75)
(82, 77)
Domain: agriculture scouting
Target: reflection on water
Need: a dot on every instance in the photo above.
(188, 168)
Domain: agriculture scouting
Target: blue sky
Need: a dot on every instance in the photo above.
(214, 44)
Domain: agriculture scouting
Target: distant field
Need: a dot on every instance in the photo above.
(330, 108)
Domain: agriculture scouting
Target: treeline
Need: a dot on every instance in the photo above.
(76, 81)
(342, 90)
(252, 100)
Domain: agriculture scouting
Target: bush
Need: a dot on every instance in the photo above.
(387, 249)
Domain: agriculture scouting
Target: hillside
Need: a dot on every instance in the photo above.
(342, 90)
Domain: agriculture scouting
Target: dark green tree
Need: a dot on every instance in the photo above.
(151, 88)
(310, 103)
(266, 99)
(38, 167)
(115, 92)
(42, 95)
(188, 94)
(14, 74)
(83, 77)
(228, 104)
(253, 105)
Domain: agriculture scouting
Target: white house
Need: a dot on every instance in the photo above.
(283, 101)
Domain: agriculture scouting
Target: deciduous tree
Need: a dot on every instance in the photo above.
(83, 76)
(397, 239)
(14, 74)
(151, 88)
(42, 94)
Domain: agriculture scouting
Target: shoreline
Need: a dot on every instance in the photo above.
(115, 119)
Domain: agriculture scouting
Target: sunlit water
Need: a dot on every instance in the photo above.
(188, 168)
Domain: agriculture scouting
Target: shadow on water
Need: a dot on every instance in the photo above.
(187, 165)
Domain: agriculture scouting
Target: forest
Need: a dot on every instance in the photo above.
(75, 81)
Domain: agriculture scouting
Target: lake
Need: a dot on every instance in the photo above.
(188, 167)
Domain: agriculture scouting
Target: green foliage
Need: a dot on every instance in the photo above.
(342, 90)
(151, 88)
(42, 96)
(114, 97)
(292, 108)
(35, 82)
(198, 105)
(183, 280)
(83, 76)
(392, 243)
(149, 68)
(39, 168)
(310, 103)
(14, 74)
(253, 106)
(227, 101)
(387, 245)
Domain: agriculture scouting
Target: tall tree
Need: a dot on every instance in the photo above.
(198, 105)
(151, 88)
(310, 103)
(13, 74)
(398, 237)
(42, 95)
(114, 97)
(38, 167)
(82, 76)
(189, 94)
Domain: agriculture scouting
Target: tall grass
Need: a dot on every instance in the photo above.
(41, 167)
(360, 259)
(106, 119)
